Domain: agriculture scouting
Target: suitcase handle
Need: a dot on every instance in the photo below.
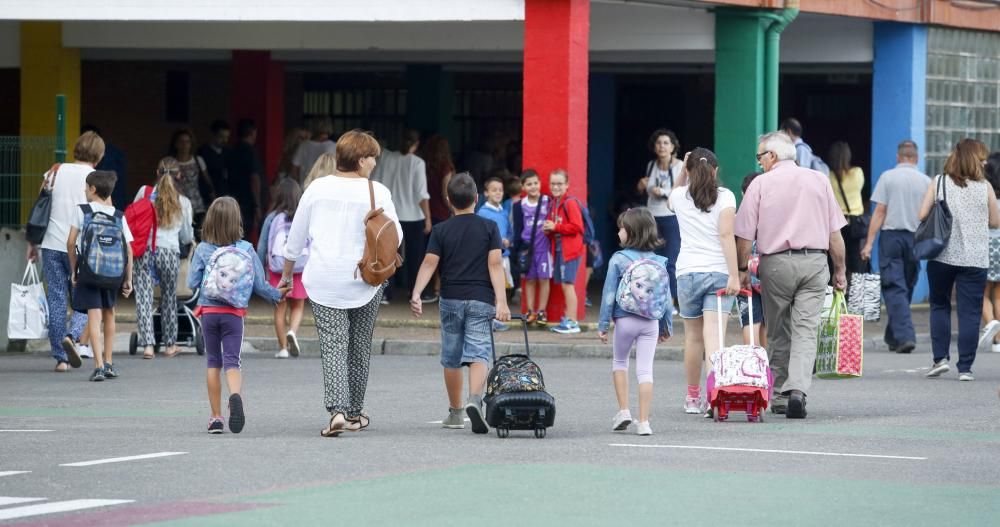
(722, 331)
(524, 327)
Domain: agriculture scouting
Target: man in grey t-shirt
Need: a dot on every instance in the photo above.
(898, 196)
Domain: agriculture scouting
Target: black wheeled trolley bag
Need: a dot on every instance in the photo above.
(515, 393)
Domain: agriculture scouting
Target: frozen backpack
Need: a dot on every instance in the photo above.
(281, 225)
(644, 289)
(103, 253)
(229, 275)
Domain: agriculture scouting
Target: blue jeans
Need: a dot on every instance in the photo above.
(55, 268)
(697, 294)
(466, 332)
(670, 231)
(969, 284)
(899, 271)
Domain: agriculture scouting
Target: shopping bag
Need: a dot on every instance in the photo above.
(864, 296)
(839, 348)
(28, 317)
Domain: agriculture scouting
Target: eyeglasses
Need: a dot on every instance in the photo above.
(762, 154)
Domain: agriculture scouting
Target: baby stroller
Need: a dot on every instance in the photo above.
(188, 326)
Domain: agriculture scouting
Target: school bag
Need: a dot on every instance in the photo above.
(281, 225)
(589, 234)
(644, 289)
(741, 377)
(381, 256)
(103, 256)
(229, 275)
(142, 221)
(515, 393)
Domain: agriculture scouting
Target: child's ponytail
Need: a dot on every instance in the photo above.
(703, 186)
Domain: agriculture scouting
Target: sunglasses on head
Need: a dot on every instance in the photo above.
(171, 171)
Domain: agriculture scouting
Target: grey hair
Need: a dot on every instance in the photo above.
(780, 144)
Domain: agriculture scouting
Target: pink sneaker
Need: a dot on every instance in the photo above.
(692, 405)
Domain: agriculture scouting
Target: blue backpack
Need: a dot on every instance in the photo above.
(644, 288)
(590, 234)
(103, 253)
(229, 275)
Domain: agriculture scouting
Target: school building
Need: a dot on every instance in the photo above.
(577, 84)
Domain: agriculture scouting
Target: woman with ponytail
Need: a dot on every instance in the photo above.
(705, 213)
(174, 219)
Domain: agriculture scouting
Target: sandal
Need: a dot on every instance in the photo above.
(168, 354)
(62, 367)
(358, 423)
(148, 353)
(336, 427)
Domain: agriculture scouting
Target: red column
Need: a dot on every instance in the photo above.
(259, 94)
(556, 45)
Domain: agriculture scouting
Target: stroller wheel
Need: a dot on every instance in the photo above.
(133, 344)
(199, 342)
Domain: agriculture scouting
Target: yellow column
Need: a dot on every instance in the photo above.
(47, 69)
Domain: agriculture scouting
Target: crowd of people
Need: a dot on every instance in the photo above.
(802, 226)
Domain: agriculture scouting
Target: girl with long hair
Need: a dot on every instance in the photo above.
(847, 182)
(991, 298)
(174, 228)
(192, 170)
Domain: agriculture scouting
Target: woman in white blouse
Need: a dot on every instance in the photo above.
(331, 215)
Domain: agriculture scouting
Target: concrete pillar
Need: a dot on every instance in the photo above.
(899, 99)
(258, 93)
(556, 67)
(430, 100)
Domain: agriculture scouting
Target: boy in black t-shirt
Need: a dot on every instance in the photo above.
(468, 249)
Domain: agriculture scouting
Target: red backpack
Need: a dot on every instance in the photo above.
(141, 219)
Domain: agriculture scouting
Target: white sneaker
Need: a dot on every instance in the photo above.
(995, 348)
(84, 351)
(621, 421)
(293, 343)
(967, 376)
(986, 339)
(643, 429)
(939, 367)
(283, 354)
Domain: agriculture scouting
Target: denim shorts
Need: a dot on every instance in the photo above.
(696, 294)
(758, 309)
(565, 272)
(466, 332)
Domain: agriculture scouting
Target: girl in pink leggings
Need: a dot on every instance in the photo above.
(637, 296)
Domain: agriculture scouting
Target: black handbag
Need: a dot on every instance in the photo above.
(38, 219)
(934, 232)
(857, 226)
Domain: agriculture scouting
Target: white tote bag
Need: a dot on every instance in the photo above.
(29, 311)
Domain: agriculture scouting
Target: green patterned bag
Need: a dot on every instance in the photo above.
(840, 343)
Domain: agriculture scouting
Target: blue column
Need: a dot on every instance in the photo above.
(601, 160)
(899, 98)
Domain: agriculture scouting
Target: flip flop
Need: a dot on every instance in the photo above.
(168, 355)
(62, 367)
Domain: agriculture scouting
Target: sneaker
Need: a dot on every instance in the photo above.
(530, 318)
(236, 417)
(995, 348)
(692, 405)
(293, 343)
(474, 409)
(72, 355)
(282, 354)
(428, 298)
(967, 376)
(84, 351)
(710, 413)
(621, 421)
(215, 425)
(643, 429)
(98, 375)
(906, 347)
(567, 327)
(588, 303)
(454, 420)
(384, 301)
(986, 339)
(541, 319)
(109, 371)
(500, 326)
(938, 368)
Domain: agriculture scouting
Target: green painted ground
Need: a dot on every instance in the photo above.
(589, 495)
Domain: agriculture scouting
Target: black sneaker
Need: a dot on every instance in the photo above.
(109, 371)
(98, 375)
(236, 417)
(906, 347)
(474, 410)
(215, 425)
(428, 298)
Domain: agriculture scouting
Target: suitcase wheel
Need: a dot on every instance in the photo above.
(133, 344)
(540, 433)
(503, 432)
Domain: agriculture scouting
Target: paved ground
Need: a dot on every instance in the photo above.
(891, 448)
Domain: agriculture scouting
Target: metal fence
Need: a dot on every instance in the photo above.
(23, 160)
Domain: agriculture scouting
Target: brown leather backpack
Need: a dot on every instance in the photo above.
(381, 257)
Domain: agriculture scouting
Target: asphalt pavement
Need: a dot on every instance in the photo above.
(891, 448)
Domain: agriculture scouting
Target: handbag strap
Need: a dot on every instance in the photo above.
(49, 181)
(840, 185)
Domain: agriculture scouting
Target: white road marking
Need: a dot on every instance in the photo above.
(56, 506)
(10, 500)
(769, 451)
(439, 422)
(120, 459)
(27, 430)
(13, 472)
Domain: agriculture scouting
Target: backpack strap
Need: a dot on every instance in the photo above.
(148, 194)
(371, 193)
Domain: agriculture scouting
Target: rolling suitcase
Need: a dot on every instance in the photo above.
(741, 377)
(515, 393)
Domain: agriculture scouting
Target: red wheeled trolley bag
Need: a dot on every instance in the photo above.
(741, 378)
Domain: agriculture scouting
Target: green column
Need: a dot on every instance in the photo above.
(739, 92)
(430, 100)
